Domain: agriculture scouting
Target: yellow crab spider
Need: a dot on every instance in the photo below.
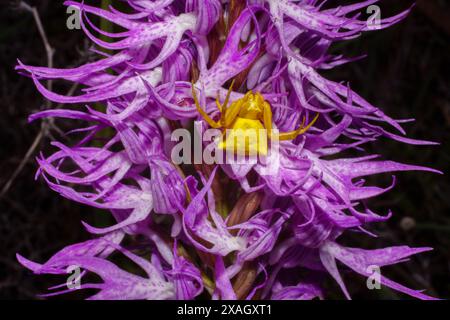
(247, 115)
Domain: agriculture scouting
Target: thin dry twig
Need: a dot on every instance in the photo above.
(44, 126)
(22, 164)
(48, 48)
(42, 132)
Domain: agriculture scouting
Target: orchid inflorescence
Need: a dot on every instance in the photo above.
(224, 231)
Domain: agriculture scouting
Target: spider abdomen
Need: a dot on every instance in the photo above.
(247, 135)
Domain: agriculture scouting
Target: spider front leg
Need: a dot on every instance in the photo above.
(285, 135)
(223, 108)
(211, 122)
(231, 114)
(219, 106)
(301, 130)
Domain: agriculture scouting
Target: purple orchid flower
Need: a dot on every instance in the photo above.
(305, 195)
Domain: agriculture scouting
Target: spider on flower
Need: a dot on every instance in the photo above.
(247, 123)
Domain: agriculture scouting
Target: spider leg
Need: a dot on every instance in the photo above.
(302, 129)
(219, 106)
(267, 118)
(205, 116)
(225, 104)
(227, 98)
(231, 113)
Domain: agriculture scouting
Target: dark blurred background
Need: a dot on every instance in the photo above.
(406, 74)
